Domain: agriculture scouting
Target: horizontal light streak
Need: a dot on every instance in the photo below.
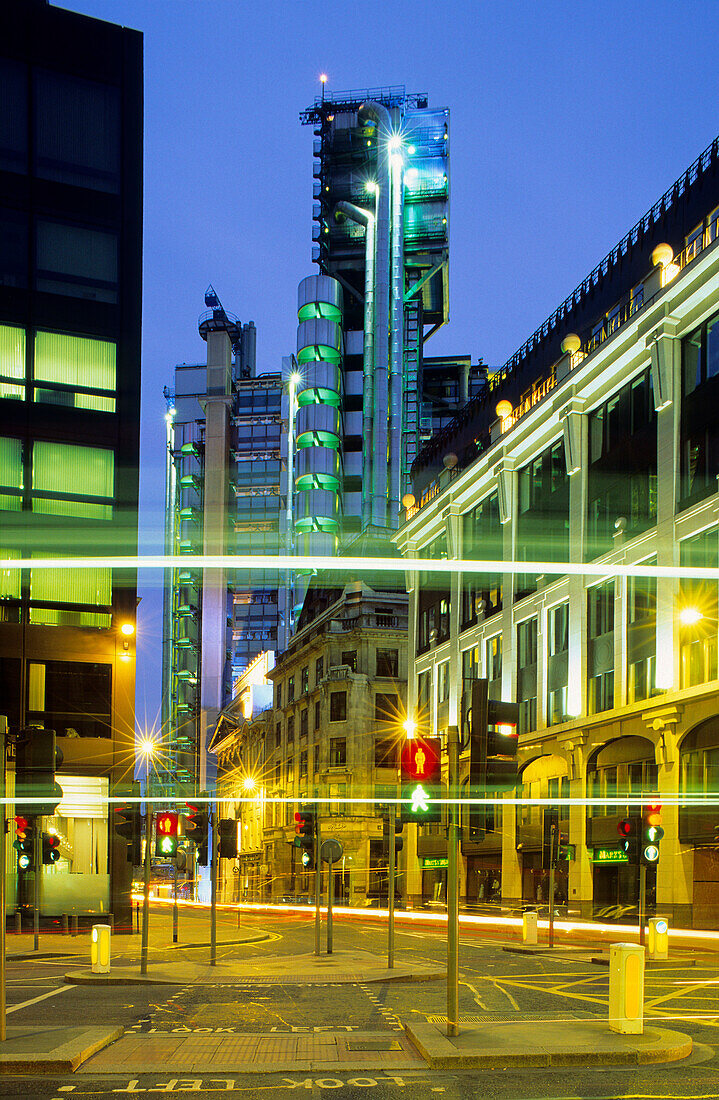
(353, 565)
(618, 801)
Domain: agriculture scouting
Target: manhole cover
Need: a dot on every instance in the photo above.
(373, 1044)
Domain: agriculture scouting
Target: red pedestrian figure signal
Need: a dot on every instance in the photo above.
(421, 759)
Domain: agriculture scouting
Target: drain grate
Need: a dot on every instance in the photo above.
(373, 1044)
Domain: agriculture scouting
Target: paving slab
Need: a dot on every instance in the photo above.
(52, 1049)
(497, 1045)
(340, 967)
(261, 1052)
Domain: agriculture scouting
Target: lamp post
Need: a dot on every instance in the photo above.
(147, 749)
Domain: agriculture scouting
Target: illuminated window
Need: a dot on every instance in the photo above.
(12, 362)
(11, 475)
(75, 371)
(9, 578)
(69, 480)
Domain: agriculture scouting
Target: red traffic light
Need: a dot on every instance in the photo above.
(626, 827)
(21, 824)
(166, 824)
(421, 760)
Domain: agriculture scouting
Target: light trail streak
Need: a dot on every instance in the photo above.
(706, 799)
(353, 565)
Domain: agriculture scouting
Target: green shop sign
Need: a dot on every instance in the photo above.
(434, 864)
(610, 855)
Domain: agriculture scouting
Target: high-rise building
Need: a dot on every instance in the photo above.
(71, 133)
(223, 486)
(381, 245)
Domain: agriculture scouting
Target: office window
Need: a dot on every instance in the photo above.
(349, 658)
(386, 707)
(698, 635)
(291, 689)
(338, 752)
(482, 538)
(319, 669)
(76, 261)
(493, 665)
(305, 679)
(443, 682)
(11, 474)
(315, 758)
(291, 729)
(69, 480)
(303, 764)
(527, 674)
(699, 434)
(12, 362)
(9, 582)
(71, 697)
(304, 719)
(388, 662)
(278, 735)
(71, 586)
(14, 237)
(278, 691)
(75, 371)
(600, 655)
(290, 772)
(386, 752)
(77, 131)
(641, 636)
(13, 118)
(317, 715)
(543, 516)
(338, 706)
(557, 663)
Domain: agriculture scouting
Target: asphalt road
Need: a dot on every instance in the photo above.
(493, 984)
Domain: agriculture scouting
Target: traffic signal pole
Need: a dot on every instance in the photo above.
(175, 909)
(552, 865)
(37, 860)
(642, 900)
(146, 891)
(213, 888)
(318, 883)
(453, 882)
(390, 887)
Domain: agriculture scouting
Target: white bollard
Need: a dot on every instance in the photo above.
(626, 988)
(529, 928)
(100, 948)
(658, 938)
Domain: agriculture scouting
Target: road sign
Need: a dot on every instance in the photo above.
(332, 850)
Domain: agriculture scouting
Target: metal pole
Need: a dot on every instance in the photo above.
(175, 907)
(330, 876)
(390, 889)
(642, 901)
(3, 788)
(213, 889)
(552, 839)
(37, 860)
(146, 891)
(453, 883)
(318, 885)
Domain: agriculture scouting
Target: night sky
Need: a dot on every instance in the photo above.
(568, 120)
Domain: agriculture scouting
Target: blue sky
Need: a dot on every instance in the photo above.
(568, 120)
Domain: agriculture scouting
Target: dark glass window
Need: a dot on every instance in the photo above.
(699, 430)
(305, 679)
(433, 602)
(338, 751)
(317, 715)
(557, 663)
(641, 636)
(77, 261)
(290, 689)
(349, 658)
(338, 706)
(13, 247)
(527, 674)
(303, 764)
(543, 518)
(482, 539)
(77, 131)
(290, 729)
(386, 752)
(71, 697)
(278, 734)
(319, 669)
(388, 662)
(600, 655)
(279, 695)
(386, 706)
(304, 722)
(13, 116)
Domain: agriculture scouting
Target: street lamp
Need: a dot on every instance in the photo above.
(690, 616)
(410, 728)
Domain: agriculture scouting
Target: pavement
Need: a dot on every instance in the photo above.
(499, 1045)
(52, 1049)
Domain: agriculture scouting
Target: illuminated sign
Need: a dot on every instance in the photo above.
(434, 864)
(610, 855)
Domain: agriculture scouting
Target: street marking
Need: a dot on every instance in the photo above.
(42, 997)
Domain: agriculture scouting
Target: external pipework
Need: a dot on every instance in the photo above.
(365, 218)
(318, 388)
(382, 461)
(396, 366)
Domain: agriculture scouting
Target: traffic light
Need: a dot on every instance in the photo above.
(550, 838)
(24, 844)
(228, 838)
(128, 823)
(36, 761)
(305, 834)
(166, 834)
(421, 768)
(196, 829)
(398, 839)
(629, 829)
(652, 833)
(50, 848)
(492, 750)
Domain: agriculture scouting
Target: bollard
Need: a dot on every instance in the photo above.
(73, 924)
(100, 948)
(18, 922)
(626, 988)
(65, 925)
(529, 927)
(658, 938)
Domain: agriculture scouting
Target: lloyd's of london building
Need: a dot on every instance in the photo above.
(595, 445)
